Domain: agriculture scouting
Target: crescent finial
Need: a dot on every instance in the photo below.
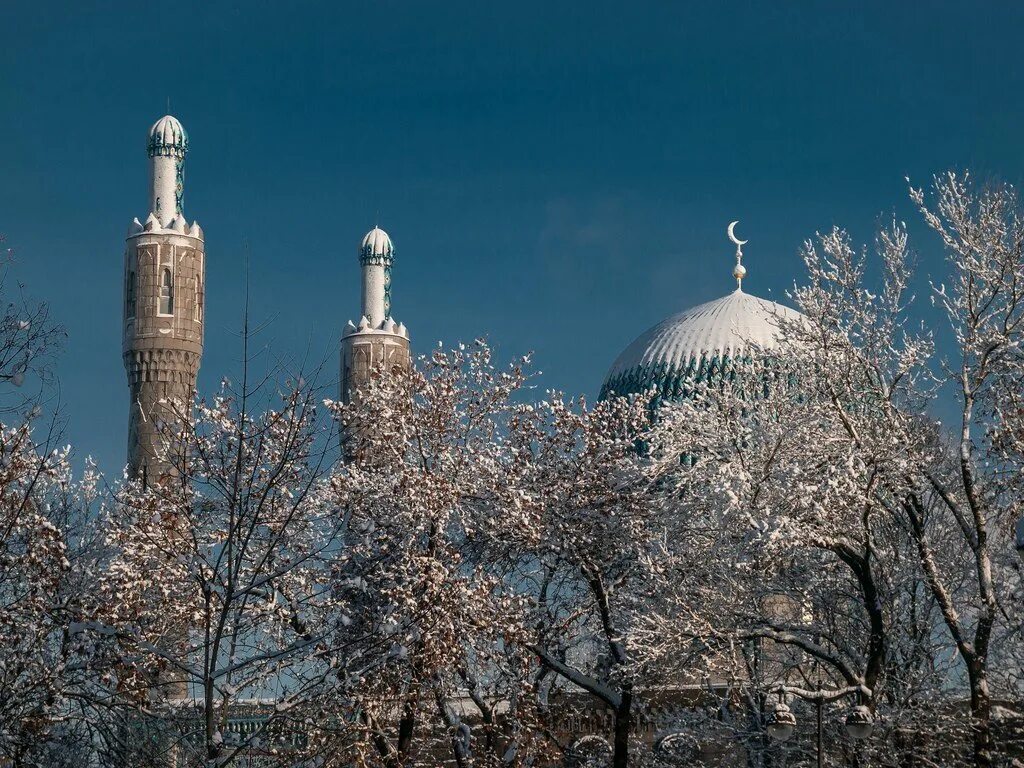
(739, 271)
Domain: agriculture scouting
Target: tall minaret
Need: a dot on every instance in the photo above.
(377, 342)
(164, 269)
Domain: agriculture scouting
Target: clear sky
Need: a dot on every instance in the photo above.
(556, 176)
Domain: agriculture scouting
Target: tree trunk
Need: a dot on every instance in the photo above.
(459, 740)
(388, 756)
(974, 655)
(623, 721)
(406, 728)
(981, 711)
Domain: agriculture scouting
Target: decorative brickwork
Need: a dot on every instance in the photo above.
(163, 338)
(364, 352)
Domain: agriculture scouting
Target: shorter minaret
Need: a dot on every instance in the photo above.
(167, 146)
(376, 255)
(164, 265)
(377, 342)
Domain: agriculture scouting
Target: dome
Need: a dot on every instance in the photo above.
(696, 343)
(167, 137)
(376, 247)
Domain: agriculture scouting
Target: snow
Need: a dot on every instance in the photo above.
(725, 327)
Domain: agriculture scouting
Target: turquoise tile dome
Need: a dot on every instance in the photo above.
(376, 248)
(167, 137)
(695, 345)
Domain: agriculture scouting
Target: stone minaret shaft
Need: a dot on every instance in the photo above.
(166, 175)
(375, 259)
(164, 269)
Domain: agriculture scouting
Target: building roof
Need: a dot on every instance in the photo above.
(376, 243)
(696, 342)
(167, 137)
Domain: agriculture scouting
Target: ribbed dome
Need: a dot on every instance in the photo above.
(376, 246)
(167, 137)
(696, 343)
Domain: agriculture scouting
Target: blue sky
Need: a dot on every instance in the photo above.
(556, 176)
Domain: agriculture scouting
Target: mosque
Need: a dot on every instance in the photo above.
(164, 299)
(165, 291)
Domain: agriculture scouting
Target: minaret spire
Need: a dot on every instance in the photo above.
(376, 255)
(168, 144)
(739, 271)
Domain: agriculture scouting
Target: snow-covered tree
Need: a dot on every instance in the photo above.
(41, 673)
(434, 498)
(468, 564)
(805, 576)
(821, 474)
(219, 591)
(982, 231)
(29, 339)
(589, 562)
(34, 566)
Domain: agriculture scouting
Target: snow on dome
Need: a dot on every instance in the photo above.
(696, 343)
(167, 137)
(376, 244)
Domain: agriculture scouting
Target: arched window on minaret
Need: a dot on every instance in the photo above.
(166, 292)
(199, 299)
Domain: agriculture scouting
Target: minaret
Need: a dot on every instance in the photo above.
(164, 268)
(376, 255)
(377, 342)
